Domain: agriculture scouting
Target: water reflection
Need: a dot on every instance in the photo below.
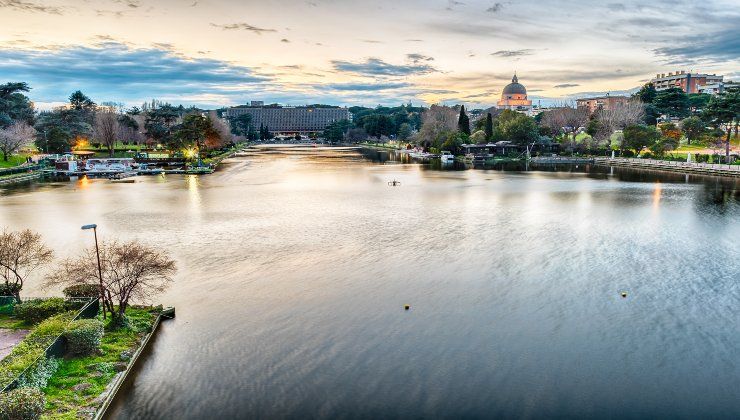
(294, 275)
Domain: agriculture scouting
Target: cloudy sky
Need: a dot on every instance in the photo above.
(347, 52)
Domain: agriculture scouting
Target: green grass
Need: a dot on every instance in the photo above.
(9, 322)
(62, 402)
(12, 161)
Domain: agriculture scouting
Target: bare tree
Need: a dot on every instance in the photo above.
(566, 119)
(620, 116)
(106, 128)
(21, 253)
(131, 271)
(14, 137)
(222, 128)
(437, 122)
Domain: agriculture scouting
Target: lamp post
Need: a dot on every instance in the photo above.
(94, 227)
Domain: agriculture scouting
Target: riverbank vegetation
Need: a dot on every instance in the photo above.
(95, 346)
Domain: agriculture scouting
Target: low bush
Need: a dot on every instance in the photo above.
(37, 310)
(83, 336)
(38, 376)
(22, 404)
(81, 290)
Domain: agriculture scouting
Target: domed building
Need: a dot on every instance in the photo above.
(514, 97)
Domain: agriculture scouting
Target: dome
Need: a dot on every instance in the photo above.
(514, 88)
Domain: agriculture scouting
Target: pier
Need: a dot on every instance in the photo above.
(716, 169)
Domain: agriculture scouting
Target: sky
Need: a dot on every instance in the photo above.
(213, 53)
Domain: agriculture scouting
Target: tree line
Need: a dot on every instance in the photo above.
(83, 122)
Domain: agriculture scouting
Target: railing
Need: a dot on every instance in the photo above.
(19, 169)
(677, 164)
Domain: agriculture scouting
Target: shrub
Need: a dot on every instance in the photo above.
(22, 404)
(9, 289)
(37, 310)
(83, 336)
(38, 376)
(32, 347)
(82, 290)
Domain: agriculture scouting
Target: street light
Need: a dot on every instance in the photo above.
(94, 227)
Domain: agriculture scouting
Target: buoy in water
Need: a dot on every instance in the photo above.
(406, 307)
(623, 294)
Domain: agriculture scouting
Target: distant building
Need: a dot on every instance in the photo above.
(291, 120)
(514, 97)
(601, 102)
(688, 82)
(717, 88)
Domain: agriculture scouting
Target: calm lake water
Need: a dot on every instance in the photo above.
(295, 264)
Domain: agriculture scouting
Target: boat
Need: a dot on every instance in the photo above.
(446, 156)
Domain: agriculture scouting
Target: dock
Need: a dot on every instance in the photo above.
(716, 169)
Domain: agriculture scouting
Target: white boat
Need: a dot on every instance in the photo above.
(446, 156)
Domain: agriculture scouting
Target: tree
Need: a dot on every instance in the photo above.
(693, 128)
(437, 122)
(673, 102)
(335, 132)
(378, 125)
(106, 129)
(53, 140)
(489, 126)
(515, 127)
(454, 142)
(356, 135)
(130, 270)
(479, 137)
(647, 93)
(697, 101)
(723, 112)
(638, 137)
(196, 131)
(15, 106)
(79, 101)
(241, 124)
(463, 122)
(671, 131)
(14, 137)
(404, 131)
(566, 119)
(21, 253)
(618, 117)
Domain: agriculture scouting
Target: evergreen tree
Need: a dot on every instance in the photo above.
(489, 127)
(463, 122)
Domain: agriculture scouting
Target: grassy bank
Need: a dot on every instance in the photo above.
(75, 389)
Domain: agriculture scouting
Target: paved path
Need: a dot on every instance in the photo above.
(9, 339)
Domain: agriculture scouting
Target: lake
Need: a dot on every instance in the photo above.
(295, 264)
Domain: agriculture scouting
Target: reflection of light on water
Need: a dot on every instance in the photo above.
(656, 195)
(83, 182)
(193, 191)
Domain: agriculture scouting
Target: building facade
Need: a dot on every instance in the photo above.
(514, 97)
(601, 102)
(291, 120)
(688, 82)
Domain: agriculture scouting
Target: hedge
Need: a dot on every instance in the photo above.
(37, 310)
(22, 404)
(82, 290)
(83, 336)
(32, 347)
